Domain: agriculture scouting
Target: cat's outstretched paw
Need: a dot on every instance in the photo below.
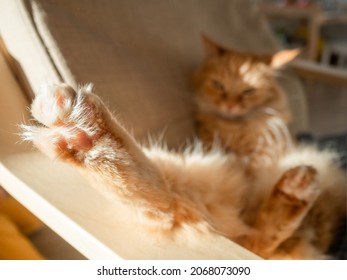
(71, 121)
(299, 184)
(53, 104)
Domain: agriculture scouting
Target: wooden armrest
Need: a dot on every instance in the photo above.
(323, 73)
(16, 71)
(93, 224)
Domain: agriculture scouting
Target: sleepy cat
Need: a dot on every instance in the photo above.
(240, 104)
(290, 211)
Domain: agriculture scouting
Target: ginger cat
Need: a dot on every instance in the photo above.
(240, 104)
(290, 211)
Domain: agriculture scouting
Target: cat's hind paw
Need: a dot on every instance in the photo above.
(299, 184)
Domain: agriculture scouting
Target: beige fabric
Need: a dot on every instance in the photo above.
(13, 107)
(296, 99)
(139, 54)
(24, 43)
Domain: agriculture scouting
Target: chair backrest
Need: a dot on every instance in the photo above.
(140, 54)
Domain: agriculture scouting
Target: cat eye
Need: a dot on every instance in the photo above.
(248, 91)
(217, 85)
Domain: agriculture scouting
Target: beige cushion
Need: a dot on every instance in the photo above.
(139, 54)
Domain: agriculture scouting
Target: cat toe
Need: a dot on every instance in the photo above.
(53, 104)
(73, 121)
(300, 183)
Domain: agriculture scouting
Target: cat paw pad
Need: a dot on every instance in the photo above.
(299, 183)
(71, 121)
(53, 104)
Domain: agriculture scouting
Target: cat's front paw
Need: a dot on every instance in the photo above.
(70, 121)
(53, 104)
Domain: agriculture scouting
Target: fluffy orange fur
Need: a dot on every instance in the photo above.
(240, 104)
(205, 192)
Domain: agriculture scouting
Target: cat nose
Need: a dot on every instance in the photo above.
(230, 105)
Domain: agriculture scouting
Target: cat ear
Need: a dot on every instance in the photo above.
(283, 57)
(211, 48)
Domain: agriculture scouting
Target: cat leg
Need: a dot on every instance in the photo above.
(294, 249)
(77, 128)
(283, 212)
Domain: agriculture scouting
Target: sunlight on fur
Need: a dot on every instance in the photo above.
(240, 103)
(276, 213)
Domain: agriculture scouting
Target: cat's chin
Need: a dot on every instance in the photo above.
(230, 115)
(220, 112)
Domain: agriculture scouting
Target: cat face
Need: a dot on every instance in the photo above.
(234, 84)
